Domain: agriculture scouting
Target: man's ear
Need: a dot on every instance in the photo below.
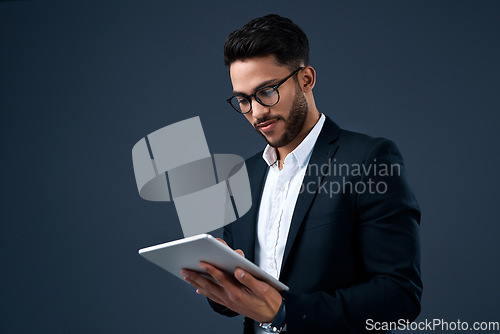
(307, 79)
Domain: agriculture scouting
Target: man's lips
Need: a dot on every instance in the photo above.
(267, 125)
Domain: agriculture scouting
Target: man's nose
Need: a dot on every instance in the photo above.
(258, 110)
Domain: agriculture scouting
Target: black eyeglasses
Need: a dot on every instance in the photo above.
(267, 96)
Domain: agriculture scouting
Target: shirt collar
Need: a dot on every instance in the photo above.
(301, 153)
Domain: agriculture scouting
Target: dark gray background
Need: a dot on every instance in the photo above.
(82, 81)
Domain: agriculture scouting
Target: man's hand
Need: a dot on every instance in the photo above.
(247, 296)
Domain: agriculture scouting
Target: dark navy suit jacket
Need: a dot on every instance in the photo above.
(352, 253)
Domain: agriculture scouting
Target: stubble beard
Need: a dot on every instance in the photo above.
(294, 123)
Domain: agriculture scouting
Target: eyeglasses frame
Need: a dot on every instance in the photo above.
(254, 95)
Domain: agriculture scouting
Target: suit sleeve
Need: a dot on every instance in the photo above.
(387, 232)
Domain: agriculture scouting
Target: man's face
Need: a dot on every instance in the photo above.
(278, 124)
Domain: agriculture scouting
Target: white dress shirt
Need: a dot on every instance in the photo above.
(277, 204)
(278, 200)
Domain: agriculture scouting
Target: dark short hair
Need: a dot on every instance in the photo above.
(268, 35)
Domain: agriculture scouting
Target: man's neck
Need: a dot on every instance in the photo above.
(282, 152)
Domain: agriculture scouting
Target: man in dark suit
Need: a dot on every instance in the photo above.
(333, 216)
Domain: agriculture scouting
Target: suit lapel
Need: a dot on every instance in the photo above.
(322, 155)
(248, 230)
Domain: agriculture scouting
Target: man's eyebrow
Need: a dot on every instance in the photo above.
(262, 84)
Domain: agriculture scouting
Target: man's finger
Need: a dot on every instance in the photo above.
(204, 286)
(239, 251)
(208, 293)
(221, 240)
(251, 282)
(211, 296)
(220, 277)
(199, 281)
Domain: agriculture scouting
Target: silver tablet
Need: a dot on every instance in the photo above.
(189, 252)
